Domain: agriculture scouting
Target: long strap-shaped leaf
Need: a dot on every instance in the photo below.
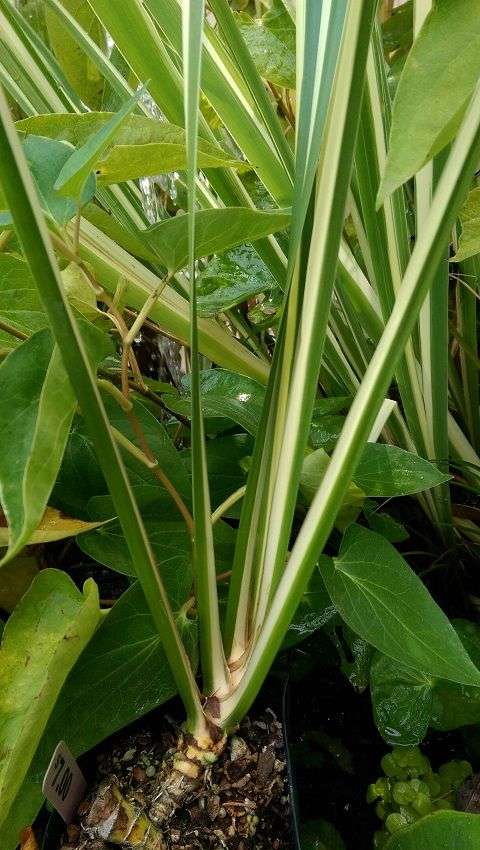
(316, 67)
(31, 230)
(419, 276)
(41, 56)
(386, 229)
(214, 669)
(433, 328)
(256, 86)
(331, 192)
(228, 100)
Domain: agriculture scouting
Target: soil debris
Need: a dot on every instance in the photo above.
(240, 804)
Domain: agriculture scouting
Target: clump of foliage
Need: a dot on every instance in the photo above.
(287, 193)
(410, 789)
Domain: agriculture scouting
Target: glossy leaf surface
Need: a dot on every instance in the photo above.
(382, 600)
(215, 231)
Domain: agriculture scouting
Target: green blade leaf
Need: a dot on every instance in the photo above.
(96, 701)
(437, 82)
(387, 471)
(215, 231)
(214, 670)
(237, 60)
(42, 640)
(448, 830)
(380, 597)
(80, 164)
(37, 409)
(326, 134)
(142, 145)
(87, 82)
(232, 100)
(419, 275)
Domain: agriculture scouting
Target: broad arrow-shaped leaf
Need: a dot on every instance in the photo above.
(141, 146)
(78, 167)
(215, 231)
(384, 601)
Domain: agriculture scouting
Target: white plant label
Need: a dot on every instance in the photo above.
(64, 784)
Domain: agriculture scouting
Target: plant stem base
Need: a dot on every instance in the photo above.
(240, 801)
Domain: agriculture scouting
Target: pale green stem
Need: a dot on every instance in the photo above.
(228, 503)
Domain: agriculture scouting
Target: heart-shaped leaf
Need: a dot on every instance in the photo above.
(215, 231)
(469, 242)
(402, 701)
(383, 600)
(142, 146)
(232, 278)
(226, 394)
(387, 471)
